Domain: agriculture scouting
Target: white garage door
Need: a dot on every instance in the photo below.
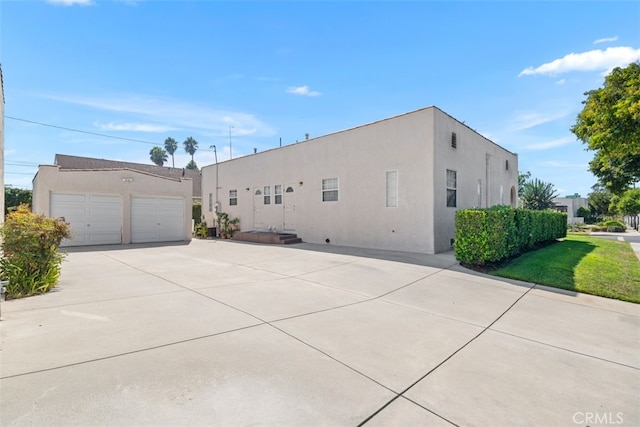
(157, 219)
(96, 219)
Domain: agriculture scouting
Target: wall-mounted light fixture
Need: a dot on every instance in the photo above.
(247, 188)
(127, 180)
(301, 183)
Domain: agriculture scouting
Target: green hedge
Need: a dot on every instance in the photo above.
(493, 234)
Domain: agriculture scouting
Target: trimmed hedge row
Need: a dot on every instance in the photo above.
(499, 232)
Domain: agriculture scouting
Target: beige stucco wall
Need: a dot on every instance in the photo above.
(474, 159)
(360, 158)
(51, 179)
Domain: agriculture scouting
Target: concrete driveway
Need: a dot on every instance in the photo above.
(222, 333)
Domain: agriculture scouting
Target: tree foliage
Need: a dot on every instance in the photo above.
(14, 197)
(522, 179)
(538, 195)
(158, 156)
(190, 146)
(599, 201)
(629, 202)
(192, 165)
(609, 124)
(171, 145)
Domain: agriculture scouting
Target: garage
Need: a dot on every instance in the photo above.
(157, 219)
(96, 219)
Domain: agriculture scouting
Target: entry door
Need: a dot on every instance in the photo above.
(257, 208)
(289, 208)
(95, 219)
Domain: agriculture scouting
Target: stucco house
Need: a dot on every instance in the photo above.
(570, 205)
(115, 205)
(394, 184)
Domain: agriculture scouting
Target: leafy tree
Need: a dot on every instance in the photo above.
(192, 165)
(190, 146)
(14, 197)
(171, 145)
(599, 201)
(158, 156)
(522, 178)
(538, 195)
(609, 124)
(629, 202)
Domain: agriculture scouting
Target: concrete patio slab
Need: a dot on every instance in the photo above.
(279, 299)
(465, 300)
(391, 344)
(370, 278)
(257, 376)
(502, 380)
(586, 330)
(134, 336)
(82, 332)
(402, 412)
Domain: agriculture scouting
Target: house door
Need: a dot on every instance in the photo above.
(257, 208)
(289, 208)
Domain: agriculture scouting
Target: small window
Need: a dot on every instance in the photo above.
(277, 191)
(506, 164)
(392, 189)
(233, 197)
(479, 193)
(452, 187)
(210, 202)
(454, 140)
(267, 195)
(330, 190)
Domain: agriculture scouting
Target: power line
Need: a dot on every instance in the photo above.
(90, 133)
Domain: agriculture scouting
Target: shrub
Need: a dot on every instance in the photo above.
(196, 212)
(500, 232)
(31, 261)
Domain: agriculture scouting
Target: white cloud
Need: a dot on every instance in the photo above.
(527, 120)
(593, 60)
(134, 127)
(606, 40)
(550, 144)
(302, 90)
(561, 81)
(71, 2)
(175, 114)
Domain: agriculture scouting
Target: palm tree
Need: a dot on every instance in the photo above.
(538, 195)
(171, 145)
(158, 156)
(190, 146)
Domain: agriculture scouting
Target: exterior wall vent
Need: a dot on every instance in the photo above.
(454, 140)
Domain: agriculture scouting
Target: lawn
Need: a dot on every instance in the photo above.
(592, 265)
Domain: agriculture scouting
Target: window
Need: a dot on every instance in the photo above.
(233, 197)
(479, 193)
(452, 187)
(210, 202)
(392, 189)
(506, 165)
(330, 190)
(277, 190)
(454, 140)
(267, 195)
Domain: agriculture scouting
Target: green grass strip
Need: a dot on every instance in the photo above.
(592, 265)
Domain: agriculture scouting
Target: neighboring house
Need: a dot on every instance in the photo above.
(88, 163)
(394, 184)
(115, 205)
(570, 206)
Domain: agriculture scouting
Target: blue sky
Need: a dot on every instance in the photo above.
(145, 70)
